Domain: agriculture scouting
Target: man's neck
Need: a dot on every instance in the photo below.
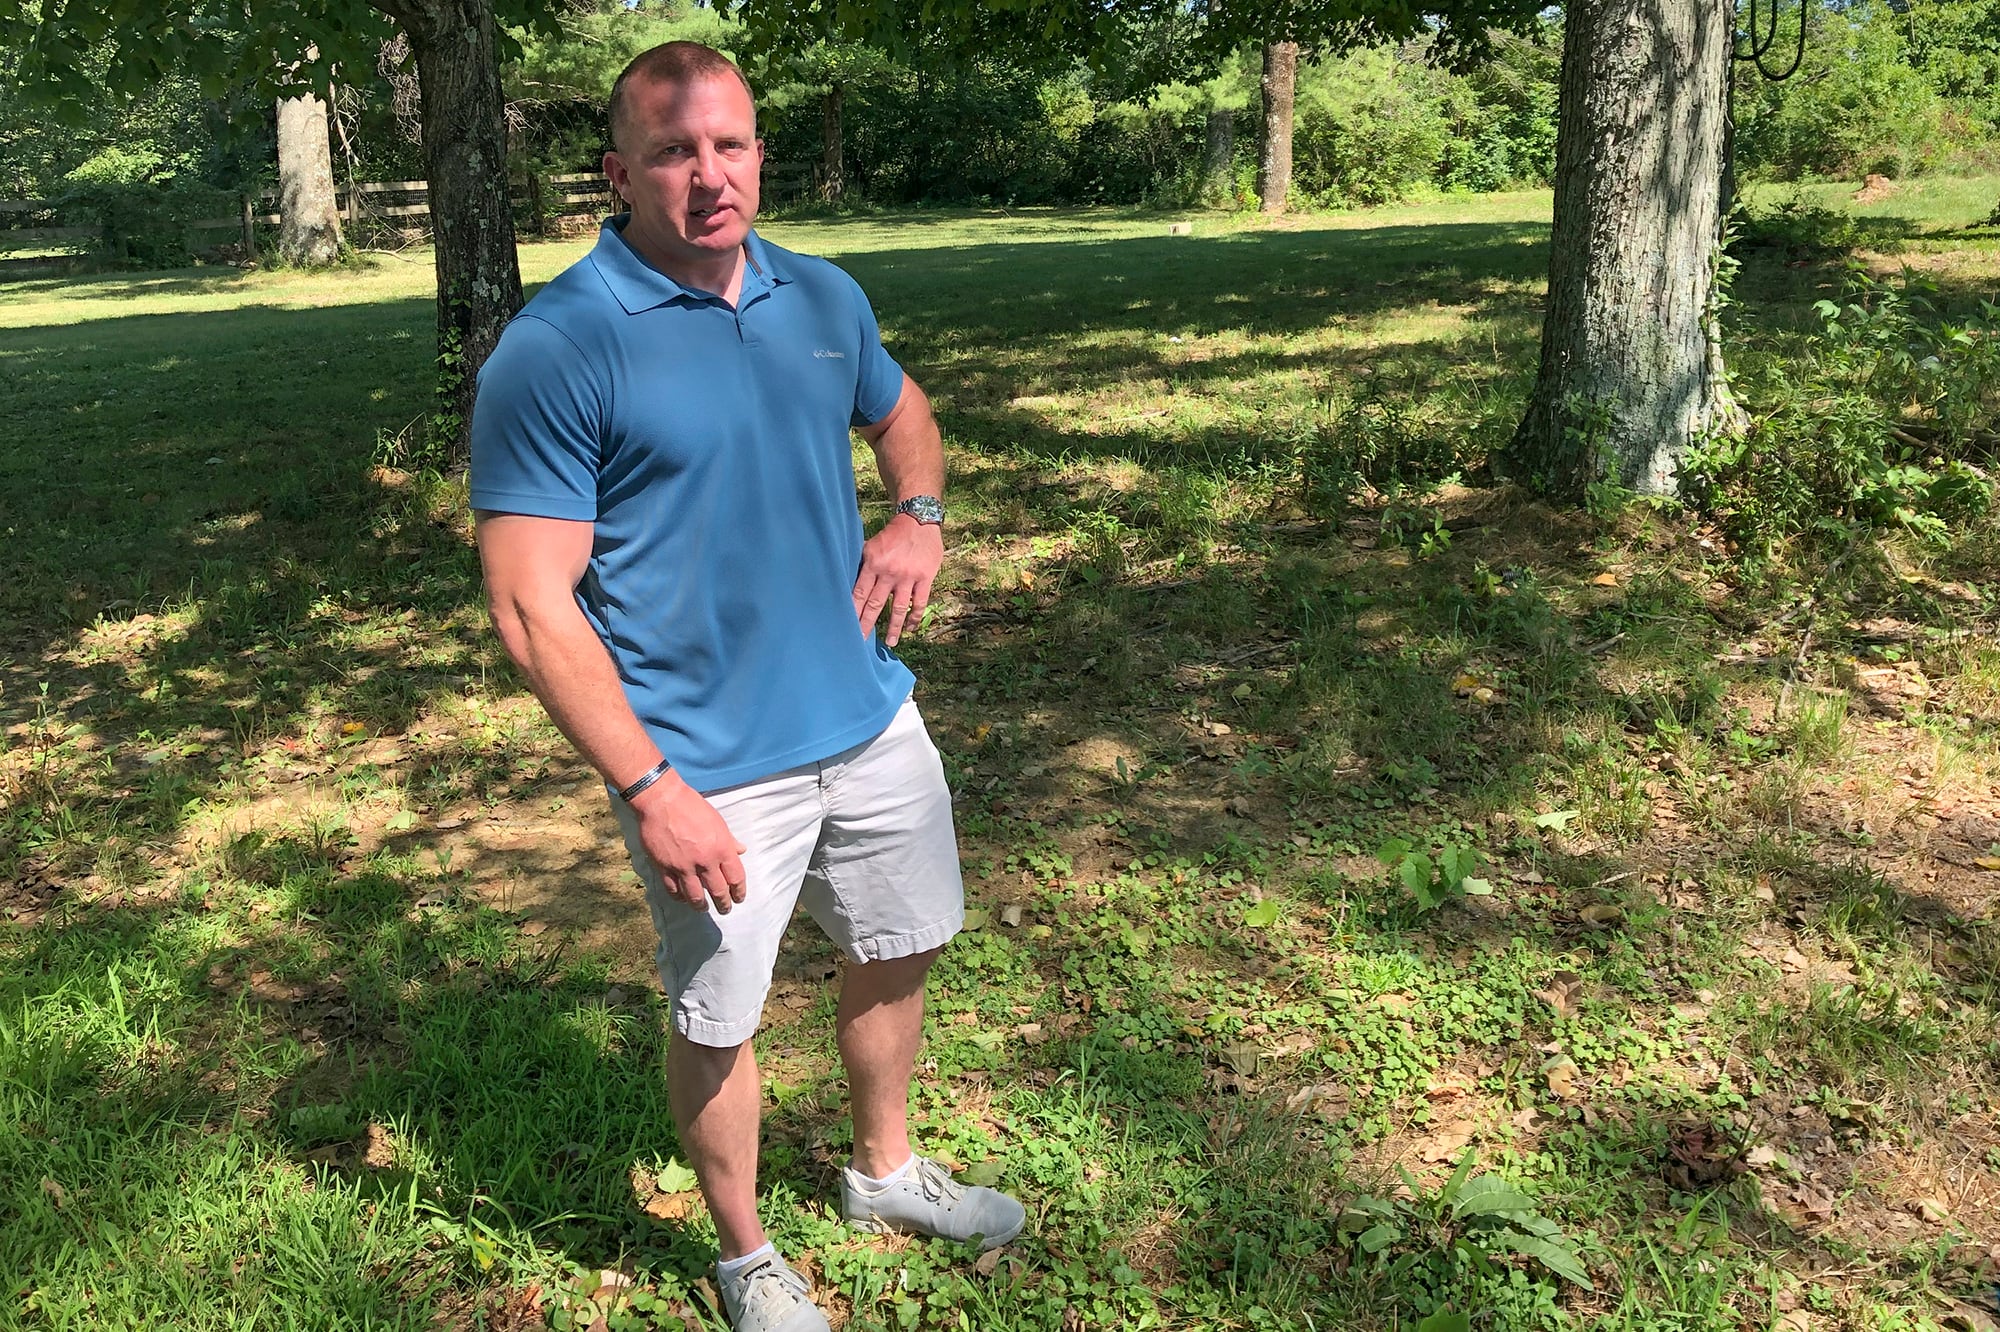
(723, 276)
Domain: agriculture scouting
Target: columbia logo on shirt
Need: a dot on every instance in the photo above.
(822, 354)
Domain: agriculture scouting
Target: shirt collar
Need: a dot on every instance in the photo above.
(639, 286)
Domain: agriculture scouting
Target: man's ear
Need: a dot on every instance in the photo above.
(614, 171)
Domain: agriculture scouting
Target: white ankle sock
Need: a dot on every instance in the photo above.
(729, 1267)
(874, 1185)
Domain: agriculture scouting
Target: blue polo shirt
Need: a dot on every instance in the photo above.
(709, 446)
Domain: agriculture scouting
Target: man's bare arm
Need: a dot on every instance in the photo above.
(899, 562)
(532, 567)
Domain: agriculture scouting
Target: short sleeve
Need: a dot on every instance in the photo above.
(536, 426)
(880, 382)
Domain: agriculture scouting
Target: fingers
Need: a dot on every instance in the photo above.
(864, 588)
(685, 886)
(872, 610)
(899, 615)
(715, 884)
(734, 877)
(907, 611)
(871, 593)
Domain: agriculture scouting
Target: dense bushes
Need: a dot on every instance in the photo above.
(1862, 102)
(1889, 414)
(1375, 124)
(141, 208)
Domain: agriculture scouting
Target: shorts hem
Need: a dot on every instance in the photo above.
(887, 948)
(715, 1035)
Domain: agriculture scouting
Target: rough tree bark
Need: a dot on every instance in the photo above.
(1274, 154)
(1631, 372)
(465, 165)
(832, 177)
(308, 215)
(1218, 176)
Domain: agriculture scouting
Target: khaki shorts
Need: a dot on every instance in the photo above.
(864, 839)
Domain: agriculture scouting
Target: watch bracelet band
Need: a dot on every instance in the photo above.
(652, 774)
(923, 508)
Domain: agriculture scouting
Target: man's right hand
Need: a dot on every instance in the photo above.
(700, 860)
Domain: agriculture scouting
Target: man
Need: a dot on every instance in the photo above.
(663, 478)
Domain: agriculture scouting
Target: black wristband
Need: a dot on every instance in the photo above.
(653, 774)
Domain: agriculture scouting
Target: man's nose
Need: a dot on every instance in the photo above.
(707, 166)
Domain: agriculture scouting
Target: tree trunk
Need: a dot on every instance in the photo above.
(1725, 192)
(920, 166)
(1218, 174)
(308, 215)
(1631, 372)
(465, 165)
(832, 179)
(1274, 157)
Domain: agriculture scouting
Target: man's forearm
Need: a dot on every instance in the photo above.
(909, 452)
(572, 674)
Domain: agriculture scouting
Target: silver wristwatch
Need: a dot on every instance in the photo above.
(924, 508)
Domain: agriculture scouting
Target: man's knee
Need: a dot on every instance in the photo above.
(708, 1065)
(889, 969)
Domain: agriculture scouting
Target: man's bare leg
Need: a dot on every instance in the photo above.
(717, 1099)
(880, 1026)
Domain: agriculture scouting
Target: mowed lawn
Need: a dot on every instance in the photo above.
(1392, 897)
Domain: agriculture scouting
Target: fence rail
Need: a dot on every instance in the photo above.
(557, 198)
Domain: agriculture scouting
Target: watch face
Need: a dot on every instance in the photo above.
(923, 508)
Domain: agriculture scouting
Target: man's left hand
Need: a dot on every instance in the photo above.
(897, 566)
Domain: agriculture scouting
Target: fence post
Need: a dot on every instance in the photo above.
(249, 230)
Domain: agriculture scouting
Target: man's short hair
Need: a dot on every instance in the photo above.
(670, 62)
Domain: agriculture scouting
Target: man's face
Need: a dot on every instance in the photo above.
(688, 166)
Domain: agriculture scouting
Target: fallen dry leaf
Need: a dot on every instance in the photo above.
(58, 1195)
(1329, 1099)
(1605, 580)
(673, 1206)
(1967, 1317)
(1445, 1144)
(1560, 993)
(380, 1153)
(1560, 1073)
(1700, 1156)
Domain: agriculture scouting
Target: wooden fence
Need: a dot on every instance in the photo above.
(553, 204)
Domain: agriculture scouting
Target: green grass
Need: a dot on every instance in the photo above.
(324, 1003)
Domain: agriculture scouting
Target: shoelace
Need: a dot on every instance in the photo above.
(767, 1284)
(937, 1181)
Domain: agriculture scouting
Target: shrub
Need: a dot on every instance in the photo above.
(1886, 416)
(141, 209)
